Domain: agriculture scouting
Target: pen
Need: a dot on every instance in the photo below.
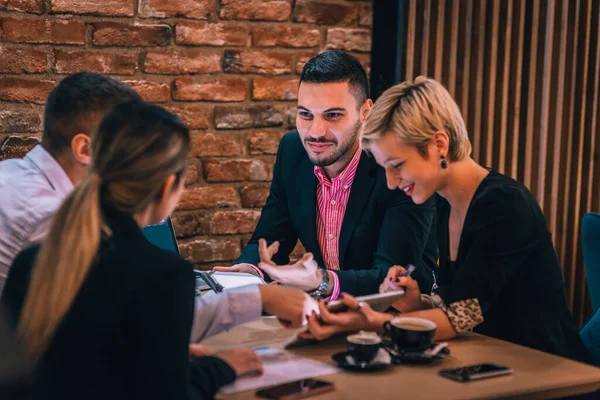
(408, 271)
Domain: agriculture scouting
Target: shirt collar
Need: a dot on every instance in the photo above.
(347, 175)
(51, 169)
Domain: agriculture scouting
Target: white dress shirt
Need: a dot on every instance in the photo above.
(31, 190)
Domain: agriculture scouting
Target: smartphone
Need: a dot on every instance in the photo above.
(475, 372)
(296, 390)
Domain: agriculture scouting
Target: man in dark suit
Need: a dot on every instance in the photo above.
(332, 196)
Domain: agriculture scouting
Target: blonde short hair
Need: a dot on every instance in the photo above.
(414, 111)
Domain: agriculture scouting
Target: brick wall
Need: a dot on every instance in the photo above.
(228, 68)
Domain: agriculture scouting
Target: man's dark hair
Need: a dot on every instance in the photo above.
(338, 66)
(77, 104)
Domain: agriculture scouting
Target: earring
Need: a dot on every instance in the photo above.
(444, 163)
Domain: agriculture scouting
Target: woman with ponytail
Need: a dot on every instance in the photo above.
(106, 314)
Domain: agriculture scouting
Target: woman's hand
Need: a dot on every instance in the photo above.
(200, 350)
(358, 316)
(242, 361)
(411, 301)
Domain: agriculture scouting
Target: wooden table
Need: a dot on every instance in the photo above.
(536, 374)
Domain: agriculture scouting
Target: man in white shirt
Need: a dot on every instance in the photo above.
(32, 188)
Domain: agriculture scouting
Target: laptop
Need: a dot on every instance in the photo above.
(163, 235)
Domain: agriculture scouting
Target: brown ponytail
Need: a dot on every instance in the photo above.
(136, 148)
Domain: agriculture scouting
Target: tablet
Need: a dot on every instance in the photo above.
(378, 301)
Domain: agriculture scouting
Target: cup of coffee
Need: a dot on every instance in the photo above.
(362, 347)
(411, 332)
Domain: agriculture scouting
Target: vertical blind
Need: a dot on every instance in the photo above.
(526, 75)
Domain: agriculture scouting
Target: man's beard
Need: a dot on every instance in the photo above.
(338, 153)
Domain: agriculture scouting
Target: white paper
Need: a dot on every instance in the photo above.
(280, 366)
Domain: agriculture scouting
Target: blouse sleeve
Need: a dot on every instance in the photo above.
(163, 320)
(504, 229)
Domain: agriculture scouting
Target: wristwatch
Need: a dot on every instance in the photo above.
(321, 291)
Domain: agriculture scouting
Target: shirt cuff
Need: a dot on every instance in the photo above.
(260, 273)
(245, 304)
(335, 293)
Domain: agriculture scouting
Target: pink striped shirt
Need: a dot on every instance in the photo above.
(332, 199)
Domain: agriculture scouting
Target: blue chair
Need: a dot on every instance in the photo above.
(590, 335)
(590, 230)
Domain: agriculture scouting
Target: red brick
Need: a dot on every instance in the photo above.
(349, 39)
(17, 146)
(326, 13)
(237, 170)
(208, 197)
(25, 90)
(193, 115)
(211, 145)
(30, 6)
(260, 62)
(154, 92)
(212, 34)
(119, 34)
(365, 12)
(255, 194)
(214, 89)
(289, 120)
(19, 61)
(204, 250)
(302, 58)
(70, 61)
(268, 10)
(247, 117)
(95, 7)
(20, 121)
(285, 36)
(182, 61)
(197, 9)
(264, 142)
(20, 30)
(234, 222)
(275, 89)
(190, 224)
(191, 173)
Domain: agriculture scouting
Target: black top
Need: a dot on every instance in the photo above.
(507, 261)
(127, 333)
(381, 227)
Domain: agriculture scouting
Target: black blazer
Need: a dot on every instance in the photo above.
(381, 228)
(127, 333)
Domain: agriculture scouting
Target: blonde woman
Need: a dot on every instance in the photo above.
(105, 313)
(499, 273)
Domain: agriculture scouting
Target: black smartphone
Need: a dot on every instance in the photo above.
(296, 390)
(475, 372)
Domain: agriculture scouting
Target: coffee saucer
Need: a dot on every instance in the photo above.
(414, 356)
(382, 360)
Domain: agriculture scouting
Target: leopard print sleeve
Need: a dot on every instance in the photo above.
(464, 315)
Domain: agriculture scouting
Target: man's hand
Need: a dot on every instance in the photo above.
(290, 306)
(242, 267)
(304, 274)
(242, 361)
